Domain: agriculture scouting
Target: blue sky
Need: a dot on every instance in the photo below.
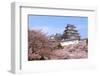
(56, 24)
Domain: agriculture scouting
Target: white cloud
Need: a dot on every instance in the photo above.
(44, 29)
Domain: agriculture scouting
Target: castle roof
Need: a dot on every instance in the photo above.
(70, 25)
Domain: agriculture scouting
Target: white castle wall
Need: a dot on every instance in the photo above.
(65, 43)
